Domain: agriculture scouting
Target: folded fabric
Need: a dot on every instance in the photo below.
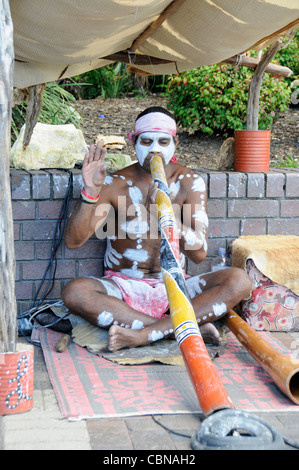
(275, 256)
(148, 296)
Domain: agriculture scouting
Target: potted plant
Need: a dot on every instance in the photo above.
(252, 145)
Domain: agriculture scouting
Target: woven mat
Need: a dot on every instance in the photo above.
(89, 386)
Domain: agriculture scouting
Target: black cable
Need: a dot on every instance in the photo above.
(52, 264)
(291, 443)
(57, 239)
(170, 430)
(287, 441)
(53, 323)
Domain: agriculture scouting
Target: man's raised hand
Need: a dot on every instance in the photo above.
(94, 170)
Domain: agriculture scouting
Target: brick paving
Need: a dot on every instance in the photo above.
(42, 428)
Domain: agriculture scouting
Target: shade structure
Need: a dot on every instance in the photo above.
(60, 39)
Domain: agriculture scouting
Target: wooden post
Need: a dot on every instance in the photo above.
(170, 10)
(8, 309)
(255, 86)
(252, 63)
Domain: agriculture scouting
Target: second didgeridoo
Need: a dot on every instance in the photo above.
(283, 369)
(208, 387)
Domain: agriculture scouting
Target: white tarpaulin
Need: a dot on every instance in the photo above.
(62, 38)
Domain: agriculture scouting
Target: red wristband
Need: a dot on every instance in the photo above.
(90, 197)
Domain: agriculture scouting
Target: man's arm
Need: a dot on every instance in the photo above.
(194, 222)
(83, 221)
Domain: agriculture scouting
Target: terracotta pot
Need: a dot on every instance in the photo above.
(16, 380)
(252, 151)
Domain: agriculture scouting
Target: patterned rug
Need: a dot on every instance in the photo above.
(89, 386)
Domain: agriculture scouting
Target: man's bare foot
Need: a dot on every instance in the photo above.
(210, 334)
(119, 338)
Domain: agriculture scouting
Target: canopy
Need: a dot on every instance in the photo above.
(55, 39)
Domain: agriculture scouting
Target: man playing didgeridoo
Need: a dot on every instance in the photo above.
(131, 300)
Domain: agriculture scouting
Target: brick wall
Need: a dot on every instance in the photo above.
(239, 204)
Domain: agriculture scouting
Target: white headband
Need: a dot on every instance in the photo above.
(154, 122)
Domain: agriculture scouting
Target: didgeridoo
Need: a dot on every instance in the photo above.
(208, 387)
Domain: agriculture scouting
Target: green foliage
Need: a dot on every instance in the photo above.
(111, 81)
(289, 57)
(213, 98)
(56, 109)
(288, 161)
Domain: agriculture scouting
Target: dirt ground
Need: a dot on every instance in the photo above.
(195, 151)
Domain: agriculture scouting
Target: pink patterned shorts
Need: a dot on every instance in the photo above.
(145, 295)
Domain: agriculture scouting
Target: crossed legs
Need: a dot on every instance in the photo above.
(212, 296)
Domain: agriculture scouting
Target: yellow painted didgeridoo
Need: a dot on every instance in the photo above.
(209, 389)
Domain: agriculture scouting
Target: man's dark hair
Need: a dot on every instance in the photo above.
(155, 109)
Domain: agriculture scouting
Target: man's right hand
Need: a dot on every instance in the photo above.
(94, 170)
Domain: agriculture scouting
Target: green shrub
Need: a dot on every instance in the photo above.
(111, 81)
(289, 57)
(213, 98)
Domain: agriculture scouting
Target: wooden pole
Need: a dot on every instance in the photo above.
(170, 10)
(8, 309)
(253, 62)
(255, 86)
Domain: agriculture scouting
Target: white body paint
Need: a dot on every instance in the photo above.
(199, 185)
(137, 325)
(201, 216)
(108, 180)
(133, 272)
(135, 227)
(174, 187)
(219, 309)
(190, 237)
(155, 335)
(135, 195)
(193, 286)
(105, 319)
(111, 255)
(136, 255)
(142, 150)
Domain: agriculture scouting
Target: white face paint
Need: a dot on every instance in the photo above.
(143, 150)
